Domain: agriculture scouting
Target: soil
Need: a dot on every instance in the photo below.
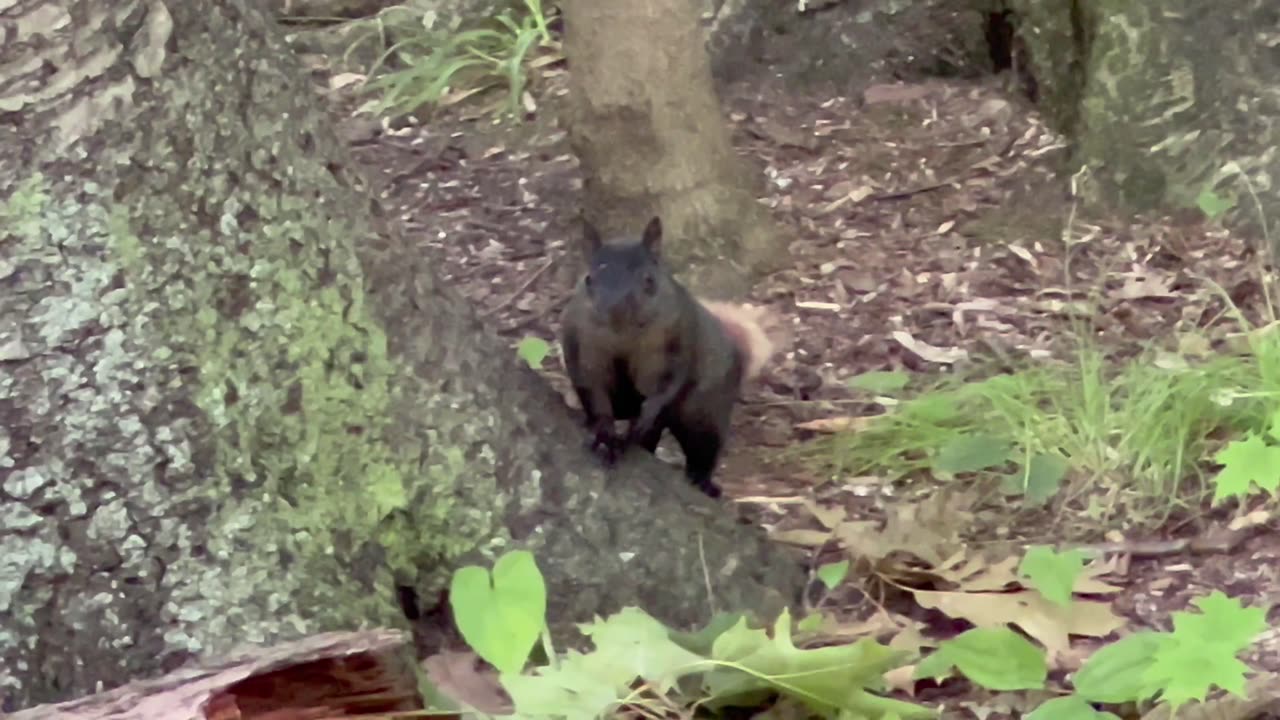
(931, 225)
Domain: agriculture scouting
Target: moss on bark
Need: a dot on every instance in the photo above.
(238, 407)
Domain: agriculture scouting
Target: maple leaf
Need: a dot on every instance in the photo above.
(1201, 650)
(1247, 461)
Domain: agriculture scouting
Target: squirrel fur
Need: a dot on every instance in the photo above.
(638, 346)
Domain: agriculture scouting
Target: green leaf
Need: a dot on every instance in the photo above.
(832, 574)
(825, 679)
(881, 381)
(1038, 481)
(1115, 673)
(935, 666)
(996, 659)
(1246, 461)
(634, 640)
(1212, 204)
(1071, 707)
(1182, 673)
(580, 687)
(1053, 574)
(933, 409)
(533, 350)
(629, 644)
(386, 488)
(1201, 651)
(810, 623)
(701, 641)
(970, 453)
(1273, 428)
(501, 618)
(1224, 621)
(1044, 476)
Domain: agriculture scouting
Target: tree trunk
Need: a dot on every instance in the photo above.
(648, 130)
(1161, 99)
(238, 407)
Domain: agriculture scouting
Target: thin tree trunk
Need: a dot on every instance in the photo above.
(238, 407)
(651, 137)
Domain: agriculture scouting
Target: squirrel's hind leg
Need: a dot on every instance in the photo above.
(701, 444)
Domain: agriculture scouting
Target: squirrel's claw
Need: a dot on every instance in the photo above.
(606, 445)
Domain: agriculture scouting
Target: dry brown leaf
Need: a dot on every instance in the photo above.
(546, 59)
(818, 305)
(802, 536)
(838, 424)
(834, 629)
(901, 678)
(897, 92)
(1253, 519)
(1046, 622)
(861, 538)
(979, 576)
(930, 353)
(910, 638)
(1143, 285)
(1088, 581)
(342, 80)
(460, 676)
(1194, 345)
(830, 518)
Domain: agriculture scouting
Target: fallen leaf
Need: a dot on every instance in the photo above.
(830, 518)
(927, 352)
(815, 305)
(900, 678)
(897, 92)
(342, 80)
(838, 424)
(977, 575)
(801, 536)
(461, 677)
(1048, 623)
(1143, 285)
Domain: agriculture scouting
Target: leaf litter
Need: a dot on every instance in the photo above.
(917, 248)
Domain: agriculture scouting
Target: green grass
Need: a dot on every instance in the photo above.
(435, 63)
(1135, 440)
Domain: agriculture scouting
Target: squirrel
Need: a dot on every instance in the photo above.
(638, 346)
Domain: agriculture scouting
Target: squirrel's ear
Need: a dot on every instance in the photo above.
(652, 238)
(590, 238)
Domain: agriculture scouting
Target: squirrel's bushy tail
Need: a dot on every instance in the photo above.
(756, 332)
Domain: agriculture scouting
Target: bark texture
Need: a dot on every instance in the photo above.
(333, 675)
(236, 407)
(1163, 99)
(648, 130)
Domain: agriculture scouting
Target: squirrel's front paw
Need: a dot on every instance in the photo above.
(607, 446)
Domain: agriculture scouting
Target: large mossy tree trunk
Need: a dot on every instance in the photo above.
(238, 407)
(1164, 100)
(648, 129)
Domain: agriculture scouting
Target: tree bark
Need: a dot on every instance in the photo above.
(237, 406)
(327, 676)
(648, 130)
(1162, 100)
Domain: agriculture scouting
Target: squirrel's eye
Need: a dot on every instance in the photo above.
(650, 284)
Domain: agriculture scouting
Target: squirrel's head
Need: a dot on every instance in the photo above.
(626, 280)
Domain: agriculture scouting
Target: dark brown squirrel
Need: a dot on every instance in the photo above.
(638, 346)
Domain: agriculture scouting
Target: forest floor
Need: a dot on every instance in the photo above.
(926, 228)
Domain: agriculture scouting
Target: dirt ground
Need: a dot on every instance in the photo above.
(924, 220)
